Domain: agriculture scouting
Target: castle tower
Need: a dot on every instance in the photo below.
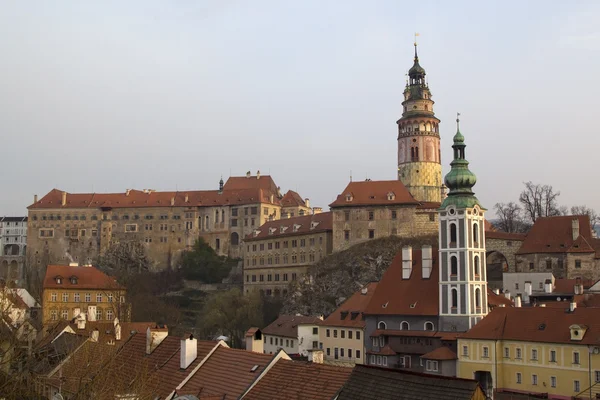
(419, 156)
(463, 280)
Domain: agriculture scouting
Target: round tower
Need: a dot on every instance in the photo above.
(419, 156)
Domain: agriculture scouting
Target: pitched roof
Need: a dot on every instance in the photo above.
(292, 199)
(537, 324)
(496, 300)
(442, 353)
(350, 312)
(368, 382)
(106, 330)
(226, 373)
(264, 182)
(555, 235)
(287, 325)
(564, 285)
(413, 296)
(299, 380)
(372, 193)
(505, 235)
(87, 278)
(384, 351)
(303, 225)
(13, 219)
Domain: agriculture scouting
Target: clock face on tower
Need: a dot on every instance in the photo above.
(401, 152)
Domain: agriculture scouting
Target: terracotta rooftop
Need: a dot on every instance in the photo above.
(263, 182)
(384, 351)
(86, 278)
(368, 382)
(537, 324)
(555, 235)
(564, 285)
(371, 193)
(303, 225)
(496, 300)
(299, 380)
(442, 353)
(227, 373)
(106, 330)
(505, 235)
(350, 312)
(287, 325)
(413, 296)
(292, 199)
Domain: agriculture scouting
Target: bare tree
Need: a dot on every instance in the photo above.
(539, 201)
(585, 210)
(510, 218)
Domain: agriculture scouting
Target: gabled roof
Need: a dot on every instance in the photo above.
(413, 296)
(106, 330)
(13, 219)
(537, 324)
(505, 235)
(555, 235)
(564, 285)
(264, 182)
(287, 325)
(87, 278)
(299, 380)
(374, 193)
(303, 225)
(292, 199)
(368, 382)
(442, 353)
(496, 300)
(350, 312)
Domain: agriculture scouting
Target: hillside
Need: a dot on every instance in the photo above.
(338, 276)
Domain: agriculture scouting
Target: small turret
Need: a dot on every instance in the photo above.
(221, 185)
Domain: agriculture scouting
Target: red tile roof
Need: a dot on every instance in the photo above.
(292, 199)
(441, 353)
(496, 300)
(106, 330)
(263, 182)
(287, 325)
(537, 324)
(554, 235)
(413, 296)
(384, 351)
(306, 224)
(429, 206)
(564, 285)
(349, 313)
(226, 373)
(87, 278)
(505, 235)
(299, 380)
(371, 193)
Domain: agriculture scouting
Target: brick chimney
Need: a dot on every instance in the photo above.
(257, 174)
(64, 199)
(307, 202)
(578, 288)
(154, 337)
(575, 228)
(427, 261)
(189, 351)
(406, 262)
(35, 199)
(518, 301)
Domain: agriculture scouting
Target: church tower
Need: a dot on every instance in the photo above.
(463, 280)
(419, 156)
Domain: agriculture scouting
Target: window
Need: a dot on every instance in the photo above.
(531, 266)
(357, 353)
(576, 386)
(475, 233)
(477, 298)
(349, 334)
(552, 355)
(465, 351)
(476, 262)
(432, 217)
(575, 357)
(452, 233)
(329, 351)
(357, 335)
(405, 326)
(315, 331)
(65, 297)
(76, 298)
(516, 286)
(346, 235)
(553, 381)
(506, 352)
(98, 314)
(88, 297)
(534, 379)
(64, 314)
(372, 359)
(343, 334)
(518, 354)
(384, 361)
(53, 297)
(577, 263)
(131, 228)
(486, 352)
(548, 264)
(431, 365)
(381, 325)
(518, 377)
(99, 298)
(328, 333)
(335, 353)
(347, 215)
(53, 315)
(371, 215)
(109, 315)
(394, 214)
(454, 298)
(453, 266)
(342, 352)
(534, 354)
(335, 333)
(597, 376)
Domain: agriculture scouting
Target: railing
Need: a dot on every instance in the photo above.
(593, 392)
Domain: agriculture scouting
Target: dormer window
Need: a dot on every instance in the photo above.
(577, 332)
(58, 280)
(282, 229)
(391, 196)
(255, 233)
(272, 230)
(349, 197)
(313, 224)
(296, 227)
(73, 280)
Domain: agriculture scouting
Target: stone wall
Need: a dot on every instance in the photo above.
(562, 265)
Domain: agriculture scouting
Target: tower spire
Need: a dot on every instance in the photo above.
(416, 55)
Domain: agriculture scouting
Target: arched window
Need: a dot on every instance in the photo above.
(412, 154)
(475, 233)
(453, 233)
(453, 265)
(454, 293)
(381, 325)
(235, 239)
(428, 326)
(477, 298)
(405, 326)
(476, 265)
(416, 153)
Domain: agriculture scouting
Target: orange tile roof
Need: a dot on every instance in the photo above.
(299, 380)
(264, 182)
(429, 206)
(372, 193)
(413, 296)
(287, 325)
(350, 312)
(495, 300)
(87, 278)
(273, 229)
(384, 351)
(226, 373)
(106, 330)
(564, 285)
(554, 235)
(505, 235)
(537, 324)
(292, 199)
(441, 353)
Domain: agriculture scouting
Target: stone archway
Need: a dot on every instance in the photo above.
(496, 264)
(11, 250)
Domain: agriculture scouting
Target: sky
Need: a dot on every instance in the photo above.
(172, 95)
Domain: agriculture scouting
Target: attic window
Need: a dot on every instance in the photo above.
(313, 225)
(296, 227)
(58, 280)
(542, 327)
(255, 233)
(353, 315)
(253, 369)
(413, 305)
(272, 230)
(282, 229)
(343, 314)
(73, 280)
(371, 197)
(391, 196)
(349, 197)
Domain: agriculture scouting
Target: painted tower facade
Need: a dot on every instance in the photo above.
(419, 156)
(463, 281)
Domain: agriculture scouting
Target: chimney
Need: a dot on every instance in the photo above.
(81, 321)
(257, 174)
(572, 306)
(528, 288)
(518, 301)
(248, 174)
(117, 325)
(91, 313)
(507, 294)
(187, 198)
(64, 198)
(543, 305)
(95, 335)
(172, 201)
(154, 337)
(496, 291)
(307, 202)
(189, 351)
(271, 199)
(575, 228)
(427, 261)
(35, 198)
(76, 312)
(548, 286)
(406, 262)
(315, 356)
(127, 191)
(364, 290)
(578, 286)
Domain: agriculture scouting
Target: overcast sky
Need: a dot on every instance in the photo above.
(173, 94)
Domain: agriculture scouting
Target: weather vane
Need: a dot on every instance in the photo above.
(416, 34)
(457, 119)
